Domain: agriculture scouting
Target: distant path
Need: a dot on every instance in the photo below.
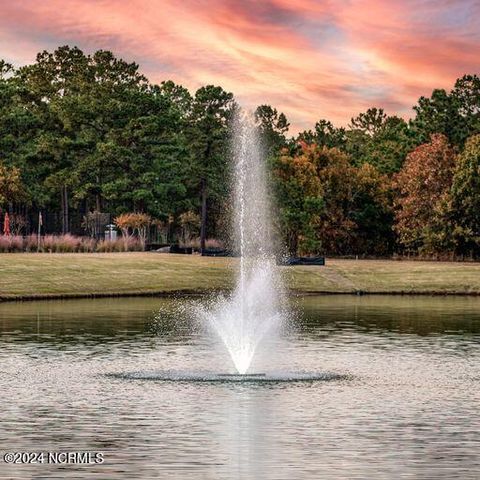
(337, 278)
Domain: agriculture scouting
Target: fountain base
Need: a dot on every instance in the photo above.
(241, 376)
(211, 377)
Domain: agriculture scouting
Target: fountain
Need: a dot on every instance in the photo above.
(255, 308)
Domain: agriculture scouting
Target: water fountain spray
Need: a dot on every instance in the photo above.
(254, 309)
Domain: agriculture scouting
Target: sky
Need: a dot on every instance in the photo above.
(311, 59)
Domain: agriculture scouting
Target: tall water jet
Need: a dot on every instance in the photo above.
(254, 310)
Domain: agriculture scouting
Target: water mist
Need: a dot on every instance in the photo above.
(254, 310)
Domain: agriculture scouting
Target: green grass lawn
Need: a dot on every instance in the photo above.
(26, 275)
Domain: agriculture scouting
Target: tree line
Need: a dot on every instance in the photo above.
(81, 135)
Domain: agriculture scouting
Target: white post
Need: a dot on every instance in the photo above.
(40, 223)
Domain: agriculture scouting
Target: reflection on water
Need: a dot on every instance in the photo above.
(408, 408)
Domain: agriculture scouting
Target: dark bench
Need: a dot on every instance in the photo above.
(302, 261)
(179, 249)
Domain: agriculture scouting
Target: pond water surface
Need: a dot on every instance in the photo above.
(403, 402)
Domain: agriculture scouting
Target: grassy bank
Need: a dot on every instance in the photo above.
(33, 275)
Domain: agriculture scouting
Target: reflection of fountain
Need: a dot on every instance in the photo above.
(254, 310)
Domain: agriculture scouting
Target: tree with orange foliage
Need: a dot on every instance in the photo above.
(134, 224)
(423, 187)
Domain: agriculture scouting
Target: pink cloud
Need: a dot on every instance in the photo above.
(310, 59)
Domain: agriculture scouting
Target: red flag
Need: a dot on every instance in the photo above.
(6, 224)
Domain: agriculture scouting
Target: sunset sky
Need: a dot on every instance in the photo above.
(311, 59)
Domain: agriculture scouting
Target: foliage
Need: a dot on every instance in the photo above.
(389, 146)
(465, 197)
(373, 211)
(357, 203)
(11, 243)
(120, 245)
(423, 185)
(273, 126)
(325, 135)
(94, 223)
(210, 243)
(125, 223)
(18, 224)
(11, 185)
(369, 122)
(455, 114)
(328, 205)
(65, 244)
(372, 137)
(190, 224)
(212, 110)
(134, 224)
(141, 224)
(300, 199)
(86, 133)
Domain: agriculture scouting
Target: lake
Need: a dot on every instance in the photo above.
(402, 400)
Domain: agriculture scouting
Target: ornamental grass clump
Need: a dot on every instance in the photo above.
(109, 246)
(120, 245)
(67, 244)
(11, 243)
(4, 243)
(30, 243)
(87, 245)
(64, 244)
(210, 243)
(51, 244)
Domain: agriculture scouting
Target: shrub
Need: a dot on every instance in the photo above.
(11, 243)
(87, 245)
(47, 243)
(56, 244)
(134, 245)
(209, 243)
(107, 246)
(30, 243)
(66, 244)
(120, 245)
(61, 244)
(4, 243)
(16, 243)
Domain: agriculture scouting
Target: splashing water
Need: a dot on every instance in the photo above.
(254, 310)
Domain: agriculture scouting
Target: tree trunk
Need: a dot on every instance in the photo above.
(292, 243)
(67, 217)
(203, 227)
(64, 193)
(62, 209)
(98, 200)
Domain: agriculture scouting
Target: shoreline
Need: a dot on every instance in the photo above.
(192, 293)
